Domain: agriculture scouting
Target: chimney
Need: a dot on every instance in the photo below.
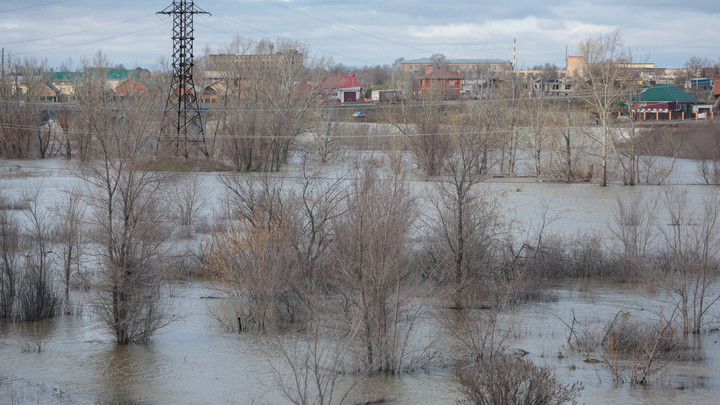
(428, 69)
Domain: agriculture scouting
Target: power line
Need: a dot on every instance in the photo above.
(280, 37)
(29, 7)
(369, 35)
(76, 32)
(370, 135)
(90, 42)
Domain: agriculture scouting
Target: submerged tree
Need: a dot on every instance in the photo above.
(9, 258)
(607, 82)
(464, 228)
(265, 101)
(691, 259)
(371, 268)
(125, 193)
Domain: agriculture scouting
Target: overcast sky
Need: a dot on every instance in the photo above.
(369, 32)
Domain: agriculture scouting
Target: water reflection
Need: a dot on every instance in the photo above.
(196, 361)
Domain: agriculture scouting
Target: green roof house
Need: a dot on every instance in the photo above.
(663, 98)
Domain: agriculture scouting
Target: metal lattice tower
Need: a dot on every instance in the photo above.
(182, 127)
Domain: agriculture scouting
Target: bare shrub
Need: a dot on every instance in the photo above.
(636, 351)
(588, 257)
(634, 230)
(581, 337)
(476, 333)
(690, 258)
(255, 255)
(37, 297)
(256, 264)
(9, 261)
(709, 171)
(189, 199)
(316, 360)
(508, 380)
(424, 125)
(326, 135)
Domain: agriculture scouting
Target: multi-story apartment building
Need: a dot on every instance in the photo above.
(463, 66)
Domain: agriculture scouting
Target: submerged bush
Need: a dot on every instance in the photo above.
(508, 380)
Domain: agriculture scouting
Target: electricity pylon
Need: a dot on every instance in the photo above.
(182, 127)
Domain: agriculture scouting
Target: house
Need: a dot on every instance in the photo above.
(342, 89)
(663, 98)
(213, 92)
(440, 81)
(129, 88)
(48, 92)
(716, 104)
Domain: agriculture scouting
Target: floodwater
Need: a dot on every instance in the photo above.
(194, 360)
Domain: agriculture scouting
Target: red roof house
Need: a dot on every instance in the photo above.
(342, 89)
(440, 81)
(129, 88)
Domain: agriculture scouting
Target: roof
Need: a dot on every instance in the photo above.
(428, 61)
(121, 74)
(63, 76)
(53, 88)
(662, 93)
(441, 74)
(110, 74)
(340, 82)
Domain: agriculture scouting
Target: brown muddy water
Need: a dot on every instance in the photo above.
(194, 360)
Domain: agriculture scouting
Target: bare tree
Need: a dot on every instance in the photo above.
(94, 113)
(464, 227)
(371, 266)
(538, 119)
(423, 123)
(190, 198)
(691, 258)
(37, 297)
(606, 80)
(21, 110)
(501, 114)
(128, 221)
(69, 232)
(326, 141)
(269, 95)
(634, 226)
(9, 258)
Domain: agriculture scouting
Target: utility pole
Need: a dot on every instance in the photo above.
(182, 126)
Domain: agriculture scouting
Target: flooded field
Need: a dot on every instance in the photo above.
(195, 360)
